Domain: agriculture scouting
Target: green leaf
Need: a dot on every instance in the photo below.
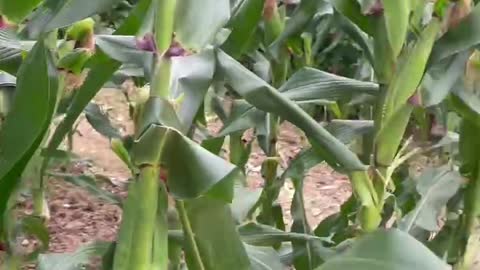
(197, 22)
(243, 25)
(11, 48)
(17, 10)
(25, 126)
(89, 184)
(264, 235)
(263, 258)
(307, 85)
(264, 97)
(395, 113)
(10, 60)
(185, 179)
(381, 250)
(242, 117)
(441, 78)
(300, 225)
(191, 77)
(53, 14)
(244, 200)
(72, 261)
(101, 70)
(356, 34)
(310, 84)
(124, 49)
(300, 18)
(462, 37)
(214, 236)
(100, 121)
(436, 186)
(352, 10)
(74, 61)
(397, 14)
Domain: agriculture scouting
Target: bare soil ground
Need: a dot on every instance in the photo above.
(78, 218)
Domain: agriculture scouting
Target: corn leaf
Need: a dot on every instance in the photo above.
(89, 184)
(264, 97)
(352, 10)
(17, 10)
(123, 49)
(100, 121)
(397, 14)
(186, 180)
(263, 258)
(313, 84)
(436, 186)
(243, 24)
(262, 235)
(392, 249)
(197, 22)
(212, 227)
(27, 122)
(462, 37)
(191, 77)
(72, 261)
(300, 18)
(300, 224)
(101, 70)
(441, 79)
(356, 34)
(53, 14)
(244, 200)
(396, 111)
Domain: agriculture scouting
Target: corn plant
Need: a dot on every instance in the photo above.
(187, 206)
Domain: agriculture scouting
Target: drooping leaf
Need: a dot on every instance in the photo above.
(441, 78)
(100, 121)
(197, 22)
(72, 261)
(212, 227)
(263, 258)
(26, 123)
(191, 78)
(54, 14)
(263, 96)
(101, 70)
(436, 186)
(17, 10)
(381, 250)
(243, 24)
(464, 36)
(185, 179)
(123, 49)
